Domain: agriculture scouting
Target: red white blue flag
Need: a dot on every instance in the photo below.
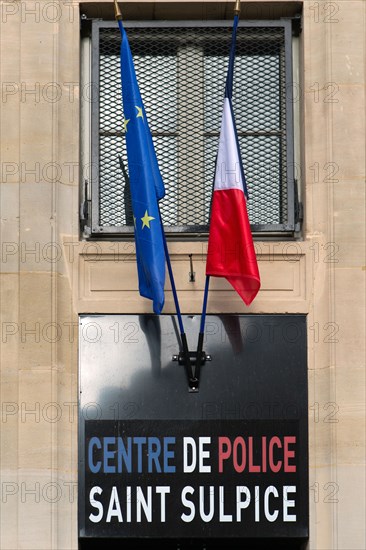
(231, 252)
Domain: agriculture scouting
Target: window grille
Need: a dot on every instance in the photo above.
(181, 70)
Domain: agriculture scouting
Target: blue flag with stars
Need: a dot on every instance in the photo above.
(146, 183)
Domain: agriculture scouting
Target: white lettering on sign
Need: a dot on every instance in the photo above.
(209, 502)
(191, 453)
(127, 504)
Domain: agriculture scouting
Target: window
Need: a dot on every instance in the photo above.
(181, 69)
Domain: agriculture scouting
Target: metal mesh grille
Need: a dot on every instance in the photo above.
(181, 73)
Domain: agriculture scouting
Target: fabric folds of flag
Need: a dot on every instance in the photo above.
(231, 252)
(146, 183)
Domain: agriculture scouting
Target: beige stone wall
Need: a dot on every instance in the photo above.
(48, 277)
(39, 202)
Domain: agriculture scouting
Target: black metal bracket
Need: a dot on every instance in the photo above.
(193, 375)
(192, 274)
(85, 25)
(84, 218)
(296, 25)
(299, 211)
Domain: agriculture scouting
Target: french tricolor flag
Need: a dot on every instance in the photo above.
(231, 251)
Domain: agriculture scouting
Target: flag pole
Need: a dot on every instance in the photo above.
(228, 91)
(192, 380)
(117, 14)
(184, 357)
(202, 331)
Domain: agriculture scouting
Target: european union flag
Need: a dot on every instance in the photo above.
(147, 186)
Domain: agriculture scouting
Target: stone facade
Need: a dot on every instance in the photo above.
(48, 276)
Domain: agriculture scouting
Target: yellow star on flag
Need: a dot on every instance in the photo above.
(146, 220)
(125, 122)
(140, 114)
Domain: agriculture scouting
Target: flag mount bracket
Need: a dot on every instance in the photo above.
(193, 378)
(193, 356)
(192, 274)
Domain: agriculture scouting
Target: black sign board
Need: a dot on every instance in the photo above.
(227, 462)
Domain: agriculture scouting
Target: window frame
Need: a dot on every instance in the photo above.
(90, 133)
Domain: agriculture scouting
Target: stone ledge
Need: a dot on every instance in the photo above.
(105, 279)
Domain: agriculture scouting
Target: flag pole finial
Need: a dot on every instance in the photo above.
(237, 8)
(117, 11)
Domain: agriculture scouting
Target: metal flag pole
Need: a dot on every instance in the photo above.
(184, 357)
(192, 381)
(200, 356)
